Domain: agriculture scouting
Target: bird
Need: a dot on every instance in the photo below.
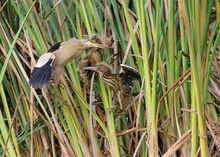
(106, 42)
(121, 84)
(94, 56)
(52, 62)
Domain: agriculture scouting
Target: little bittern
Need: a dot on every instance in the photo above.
(94, 56)
(56, 58)
(121, 84)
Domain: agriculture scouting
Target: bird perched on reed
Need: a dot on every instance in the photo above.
(56, 58)
(121, 84)
(94, 56)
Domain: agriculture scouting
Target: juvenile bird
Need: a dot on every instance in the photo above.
(56, 58)
(94, 56)
(121, 84)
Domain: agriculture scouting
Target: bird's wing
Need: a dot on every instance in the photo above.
(42, 71)
(55, 47)
(130, 73)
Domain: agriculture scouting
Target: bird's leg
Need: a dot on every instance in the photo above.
(117, 107)
(58, 72)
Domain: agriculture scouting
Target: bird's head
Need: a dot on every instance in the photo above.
(105, 73)
(102, 40)
(101, 68)
(99, 41)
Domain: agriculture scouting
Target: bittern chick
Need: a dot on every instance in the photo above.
(94, 56)
(121, 84)
(56, 58)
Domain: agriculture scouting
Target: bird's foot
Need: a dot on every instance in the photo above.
(115, 109)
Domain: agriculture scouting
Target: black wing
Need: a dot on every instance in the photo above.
(55, 47)
(130, 74)
(41, 76)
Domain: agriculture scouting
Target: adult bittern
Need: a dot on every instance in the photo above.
(56, 58)
(121, 84)
(94, 56)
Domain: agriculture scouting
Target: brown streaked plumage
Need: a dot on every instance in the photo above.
(56, 58)
(94, 56)
(91, 59)
(121, 84)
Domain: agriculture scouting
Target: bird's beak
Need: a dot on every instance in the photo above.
(90, 68)
(93, 43)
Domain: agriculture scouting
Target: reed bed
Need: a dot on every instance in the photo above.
(173, 44)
